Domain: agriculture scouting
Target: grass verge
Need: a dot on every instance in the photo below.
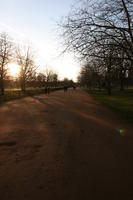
(119, 102)
(17, 94)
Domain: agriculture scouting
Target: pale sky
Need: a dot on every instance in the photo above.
(35, 21)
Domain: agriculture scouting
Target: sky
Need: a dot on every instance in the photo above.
(35, 21)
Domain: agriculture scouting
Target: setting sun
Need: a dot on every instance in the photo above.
(14, 69)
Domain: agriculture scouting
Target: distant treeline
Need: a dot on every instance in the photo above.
(28, 77)
(55, 83)
(96, 76)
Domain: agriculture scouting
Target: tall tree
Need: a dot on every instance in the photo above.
(97, 24)
(5, 58)
(101, 29)
(25, 59)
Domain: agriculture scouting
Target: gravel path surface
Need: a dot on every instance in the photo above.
(65, 146)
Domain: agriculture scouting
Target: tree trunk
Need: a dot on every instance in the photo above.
(109, 82)
(122, 84)
(122, 78)
(23, 85)
(2, 86)
(99, 85)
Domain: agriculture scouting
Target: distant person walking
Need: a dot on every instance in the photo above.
(65, 88)
(74, 87)
(47, 90)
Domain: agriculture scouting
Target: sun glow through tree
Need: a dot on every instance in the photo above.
(14, 69)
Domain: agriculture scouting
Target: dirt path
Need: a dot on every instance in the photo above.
(64, 146)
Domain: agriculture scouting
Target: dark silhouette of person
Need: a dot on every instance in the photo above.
(48, 90)
(74, 87)
(65, 88)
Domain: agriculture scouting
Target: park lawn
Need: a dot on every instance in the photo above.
(119, 102)
(12, 94)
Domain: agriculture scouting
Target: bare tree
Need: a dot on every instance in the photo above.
(25, 59)
(92, 74)
(98, 24)
(104, 30)
(51, 77)
(41, 79)
(55, 79)
(5, 57)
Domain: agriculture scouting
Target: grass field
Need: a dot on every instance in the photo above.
(12, 94)
(119, 102)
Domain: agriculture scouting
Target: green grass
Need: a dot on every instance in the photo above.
(119, 102)
(16, 94)
(12, 94)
